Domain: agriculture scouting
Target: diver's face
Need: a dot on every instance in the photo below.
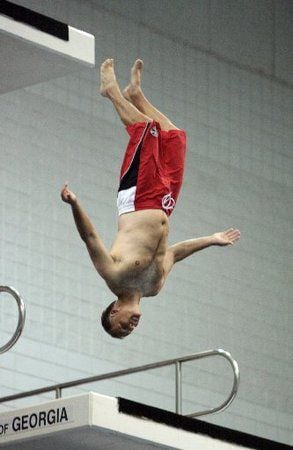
(124, 322)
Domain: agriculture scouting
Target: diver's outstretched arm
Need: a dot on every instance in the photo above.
(184, 249)
(99, 254)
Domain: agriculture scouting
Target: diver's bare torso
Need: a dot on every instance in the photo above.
(139, 252)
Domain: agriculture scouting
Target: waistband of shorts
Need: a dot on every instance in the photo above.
(157, 124)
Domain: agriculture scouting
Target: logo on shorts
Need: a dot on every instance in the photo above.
(154, 131)
(168, 202)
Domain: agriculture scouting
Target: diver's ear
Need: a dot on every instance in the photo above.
(115, 309)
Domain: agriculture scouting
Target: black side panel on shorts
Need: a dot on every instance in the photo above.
(130, 178)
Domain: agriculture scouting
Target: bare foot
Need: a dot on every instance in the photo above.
(134, 86)
(108, 78)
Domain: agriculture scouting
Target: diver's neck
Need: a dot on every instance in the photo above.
(132, 298)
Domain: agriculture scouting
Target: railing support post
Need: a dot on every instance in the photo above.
(58, 393)
(178, 369)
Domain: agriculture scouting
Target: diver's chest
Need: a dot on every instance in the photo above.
(145, 277)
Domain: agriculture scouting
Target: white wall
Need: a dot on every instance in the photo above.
(256, 34)
(239, 173)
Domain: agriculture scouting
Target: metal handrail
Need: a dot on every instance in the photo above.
(176, 361)
(21, 317)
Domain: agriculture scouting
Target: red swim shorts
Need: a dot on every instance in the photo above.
(152, 170)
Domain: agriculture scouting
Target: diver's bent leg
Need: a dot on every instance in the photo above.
(127, 112)
(133, 93)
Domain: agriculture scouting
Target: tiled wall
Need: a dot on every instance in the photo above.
(238, 173)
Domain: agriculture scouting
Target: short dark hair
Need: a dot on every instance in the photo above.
(105, 319)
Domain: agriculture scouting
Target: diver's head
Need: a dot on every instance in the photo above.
(119, 319)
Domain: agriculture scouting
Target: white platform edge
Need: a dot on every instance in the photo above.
(81, 45)
(100, 411)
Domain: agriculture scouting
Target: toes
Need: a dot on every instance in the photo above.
(138, 64)
(108, 62)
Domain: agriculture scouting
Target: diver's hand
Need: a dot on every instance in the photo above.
(68, 196)
(228, 237)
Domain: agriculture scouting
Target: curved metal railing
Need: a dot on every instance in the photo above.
(235, 386)
(21, 317)
(178, 377)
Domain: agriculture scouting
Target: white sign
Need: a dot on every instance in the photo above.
(39, 419)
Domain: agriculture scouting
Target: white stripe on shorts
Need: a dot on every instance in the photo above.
(125, 200)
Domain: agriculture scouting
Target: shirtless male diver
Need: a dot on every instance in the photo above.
(151, 176)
